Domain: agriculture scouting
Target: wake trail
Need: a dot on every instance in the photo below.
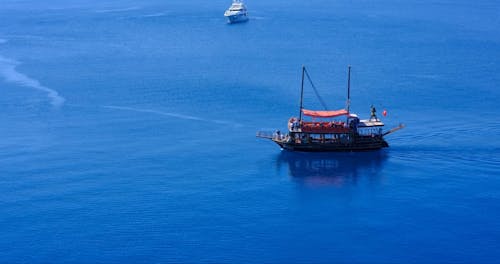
(10, 74)
(118, 10)
(155, 15)
(170, 114)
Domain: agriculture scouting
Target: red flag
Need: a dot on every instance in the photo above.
(384, 113)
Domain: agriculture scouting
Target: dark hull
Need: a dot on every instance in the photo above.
(358, 145)
(237, 18)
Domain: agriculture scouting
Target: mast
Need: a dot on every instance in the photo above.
(301, 93)
(348, 88)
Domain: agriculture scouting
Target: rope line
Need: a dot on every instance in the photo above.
(316, 91)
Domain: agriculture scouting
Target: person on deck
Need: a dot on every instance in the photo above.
(277, 134)
(295, 125)
(373, 113)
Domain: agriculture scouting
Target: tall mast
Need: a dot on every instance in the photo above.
(348, 88)
(301, 92)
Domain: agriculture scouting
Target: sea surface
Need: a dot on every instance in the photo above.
(127, 132)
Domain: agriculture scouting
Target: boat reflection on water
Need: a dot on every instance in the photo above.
(333, 169)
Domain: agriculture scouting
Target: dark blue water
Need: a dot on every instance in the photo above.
(128, 132)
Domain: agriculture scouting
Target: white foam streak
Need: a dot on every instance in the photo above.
(10, 74)
(155, 15)
(152, 112)
(169, 114)
(116, 10)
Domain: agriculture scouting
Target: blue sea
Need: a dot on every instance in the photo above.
(127, 132)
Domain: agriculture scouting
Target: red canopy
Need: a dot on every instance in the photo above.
(313, 113)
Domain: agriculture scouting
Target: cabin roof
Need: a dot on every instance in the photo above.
(370, 123)
(325, 114)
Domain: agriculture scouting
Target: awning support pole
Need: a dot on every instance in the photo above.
(301, 93)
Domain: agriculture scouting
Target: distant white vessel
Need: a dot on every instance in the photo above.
(237, 12)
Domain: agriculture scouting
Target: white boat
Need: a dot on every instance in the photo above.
(237, 12)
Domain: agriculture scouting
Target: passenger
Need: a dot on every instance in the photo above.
(373, 113)
(277, 134)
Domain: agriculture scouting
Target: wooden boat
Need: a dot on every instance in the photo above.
(331, 130)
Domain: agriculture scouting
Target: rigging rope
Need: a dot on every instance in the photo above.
(315, 91)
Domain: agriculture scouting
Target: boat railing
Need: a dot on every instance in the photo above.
(276, 136)
(324, 127)
(370, 131)
(265, 134)
(401, 126)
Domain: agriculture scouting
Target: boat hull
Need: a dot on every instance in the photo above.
(363, 145)
(237, 18)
